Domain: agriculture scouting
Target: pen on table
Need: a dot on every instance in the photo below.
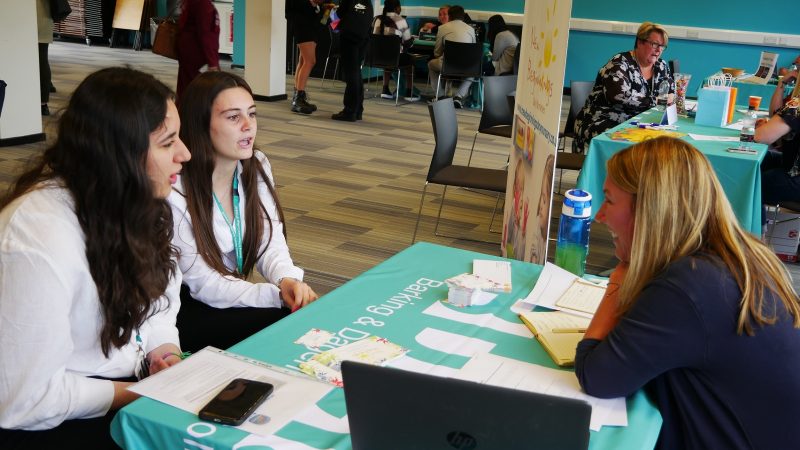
(569, 330)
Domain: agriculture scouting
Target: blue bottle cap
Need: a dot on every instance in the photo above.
(577, 203)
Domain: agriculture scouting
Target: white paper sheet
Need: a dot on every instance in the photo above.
(192, 383)
(703, 137)
(553, 282)
(505, 372)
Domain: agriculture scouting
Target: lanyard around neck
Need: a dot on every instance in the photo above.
(235, 227)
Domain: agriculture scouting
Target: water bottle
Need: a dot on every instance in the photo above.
(748, 133)
(572, 246)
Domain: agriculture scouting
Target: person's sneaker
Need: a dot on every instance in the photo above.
(411, 97)
(387, 94)
(457, 102)
(303, 99)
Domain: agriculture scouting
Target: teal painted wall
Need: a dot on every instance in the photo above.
(237, 59)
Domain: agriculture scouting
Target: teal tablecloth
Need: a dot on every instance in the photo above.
(397, 288)
(739, 174)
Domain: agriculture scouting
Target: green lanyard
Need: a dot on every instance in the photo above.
(236, 226)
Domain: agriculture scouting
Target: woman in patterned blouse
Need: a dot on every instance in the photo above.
(627, 85)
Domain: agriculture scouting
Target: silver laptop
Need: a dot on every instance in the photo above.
(395, 409)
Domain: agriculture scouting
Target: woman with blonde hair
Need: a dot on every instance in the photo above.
(626, 85)
(699, 313)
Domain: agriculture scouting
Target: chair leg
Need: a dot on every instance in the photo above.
(494, 212)
(397, 90)
(419, 214)
(472, 149)
(438, 81)
(324, 72)
(439, 215)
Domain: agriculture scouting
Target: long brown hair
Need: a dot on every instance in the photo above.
(100, 156)
(681, 210)
(195, 113)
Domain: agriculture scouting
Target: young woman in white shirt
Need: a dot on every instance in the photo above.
(228, 221)
(89, 288)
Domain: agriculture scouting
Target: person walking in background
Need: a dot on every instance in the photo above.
(44, 24)
(304, 17)
(228, 221)
(457, 31)
(354, 27)
(89, 286)
(198, 41)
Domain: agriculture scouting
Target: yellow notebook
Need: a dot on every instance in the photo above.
(558, 332)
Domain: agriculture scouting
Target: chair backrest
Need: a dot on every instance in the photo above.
(445, 132)
(496, 110)
(578, 92)
(383, 51)
(460, 59)
(674, 66)
(516, 58)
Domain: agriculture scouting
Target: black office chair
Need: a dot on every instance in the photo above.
(383, 52)
(334, 52)
(674, 66)
(443, 172)
(579, 92)
(461, 60)
(516, 58)
(497, 116)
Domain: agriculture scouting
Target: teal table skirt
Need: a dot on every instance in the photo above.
(738, 173)
(396, 300)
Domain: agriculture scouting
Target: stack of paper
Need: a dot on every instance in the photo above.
(326, 366)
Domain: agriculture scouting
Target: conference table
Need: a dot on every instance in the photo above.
(738, 173)
(400, 300)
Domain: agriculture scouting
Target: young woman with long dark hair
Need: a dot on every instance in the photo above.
(88, 284)
(228, 221)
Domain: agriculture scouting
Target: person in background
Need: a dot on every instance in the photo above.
(783, 71)
(457, 31)
(433, 27)
(699, 313)
(627, 85)
(304, 17)
(89, 288)
(228, 221)
(198, 41)
(780, 168)
(354, 28)
(392, 23)
(503, 44)
(44, 24)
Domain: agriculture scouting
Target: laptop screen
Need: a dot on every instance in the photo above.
(395, 409)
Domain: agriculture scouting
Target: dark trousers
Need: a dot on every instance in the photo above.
(45, 76)
(353, 50)
(201, 325)
(72, 434)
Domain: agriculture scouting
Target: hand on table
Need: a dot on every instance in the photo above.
(163, 356)
(296, 294)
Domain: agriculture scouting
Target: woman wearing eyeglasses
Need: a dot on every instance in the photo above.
(627, 85)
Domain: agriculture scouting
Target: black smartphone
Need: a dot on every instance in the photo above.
(236, 402)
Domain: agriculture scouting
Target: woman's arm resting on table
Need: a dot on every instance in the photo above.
(771, 130)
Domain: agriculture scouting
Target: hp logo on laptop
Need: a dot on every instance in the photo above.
(461, 440)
